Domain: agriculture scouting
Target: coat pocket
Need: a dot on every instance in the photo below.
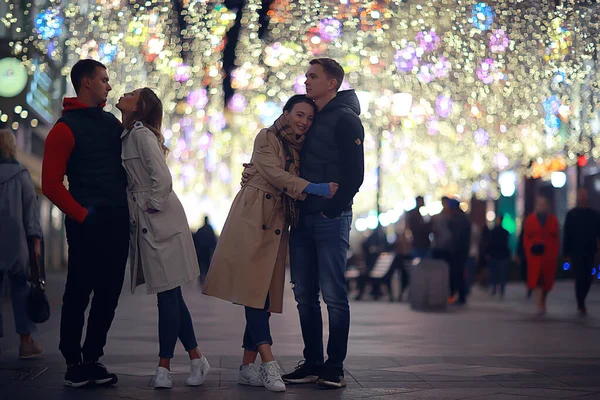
(164, 225)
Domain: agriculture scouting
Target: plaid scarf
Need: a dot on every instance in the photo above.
(292, 144)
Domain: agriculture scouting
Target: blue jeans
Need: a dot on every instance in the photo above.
(318, 253)
(498, 274)
(19, 294)
(174, 320)
(257, 330)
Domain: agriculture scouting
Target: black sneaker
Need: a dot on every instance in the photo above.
(302, 374)
(331, 379)
(99, 375)
(77, 376)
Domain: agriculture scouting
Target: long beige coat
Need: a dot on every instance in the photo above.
(249, 260)
(161, 252)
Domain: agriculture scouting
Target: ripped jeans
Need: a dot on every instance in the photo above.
(318, 253)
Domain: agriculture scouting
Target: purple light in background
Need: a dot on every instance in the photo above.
(485, 72)
(299, 86)
(499, 41)
(425, 73)
(217, 122)
(501, 161)
(481, 137)
(433, 127)
(443, 105)
(406, 59)
(182, 72)
(237, 103)
(198, 98)
(441, 68)
(330, 29)
(428, 41)
(205, 141)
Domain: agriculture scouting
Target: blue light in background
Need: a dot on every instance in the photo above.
(48, 23)
(593, 271)
(566, 266)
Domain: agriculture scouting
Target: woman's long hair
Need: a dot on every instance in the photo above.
(8, 145)
(149, 111)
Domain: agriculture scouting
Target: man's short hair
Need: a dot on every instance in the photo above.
(84, 69)
(332, 68)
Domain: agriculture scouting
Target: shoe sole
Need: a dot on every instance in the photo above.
(76, 384)
(275, 389)
(107, 382)
(244, 382)
(308, 379)
(331, 385)
(31, 357)
(163, 387)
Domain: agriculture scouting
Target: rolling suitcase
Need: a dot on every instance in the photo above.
(429, 285)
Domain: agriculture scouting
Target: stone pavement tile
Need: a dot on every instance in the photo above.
(505, 396)
(450, 378)
(450, 369)
(384, 376)
(578, 381)
(541, 383)
(546, 393)
(451, 394)
(409, 386)
(464, 384)
(522, 376)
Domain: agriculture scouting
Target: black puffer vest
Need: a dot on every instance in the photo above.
(96, 175)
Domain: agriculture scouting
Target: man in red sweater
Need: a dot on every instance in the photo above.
(85, 146)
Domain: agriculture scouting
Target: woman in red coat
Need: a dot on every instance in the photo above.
(542, 246)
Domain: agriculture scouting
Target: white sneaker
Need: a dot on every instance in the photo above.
(249, 376)
(162, 379)
(270, 377)
(198, 370)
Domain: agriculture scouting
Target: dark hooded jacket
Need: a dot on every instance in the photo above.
(333, 152)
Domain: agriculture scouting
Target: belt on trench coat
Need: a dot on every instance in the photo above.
(273, 192)
(139, 188)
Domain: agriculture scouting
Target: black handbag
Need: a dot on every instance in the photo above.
(38, 306)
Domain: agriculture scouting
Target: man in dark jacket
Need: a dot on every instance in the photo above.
(333, 152)
(85, 145)
(581, 234)
(498, 255)
(460, 227)
(205, 242)
(420, 230)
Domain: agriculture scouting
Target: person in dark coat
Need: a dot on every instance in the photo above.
(205, 241)
(460, 226)
(581, 234)
(498, 254)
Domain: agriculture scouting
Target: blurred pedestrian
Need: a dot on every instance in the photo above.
(580, 244)
(20, 223)
(419, 230)
(205, 242)
(542, 245)
(460, 227)
(498, 255)
(162, 253)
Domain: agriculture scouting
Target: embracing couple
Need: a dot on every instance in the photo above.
(304, 173)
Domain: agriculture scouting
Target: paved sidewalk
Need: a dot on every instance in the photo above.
(491, 349)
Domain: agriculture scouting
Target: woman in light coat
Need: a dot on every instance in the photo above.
(20, 222)
(248, 266)
(162, 253)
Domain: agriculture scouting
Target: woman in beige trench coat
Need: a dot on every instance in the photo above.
(248, 266)
(162, 252)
